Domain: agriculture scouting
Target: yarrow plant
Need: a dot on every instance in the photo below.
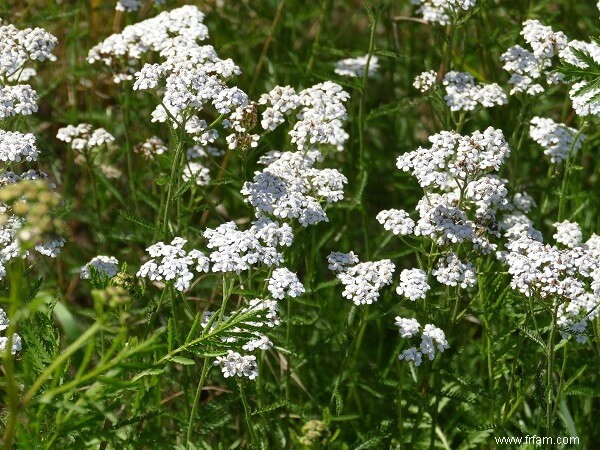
(355, 67)
(442, 11)
(432, 338)
(170, 262)
(527, 67)
(104, 265)
(557, 140)
(19, 194)
(186, 191)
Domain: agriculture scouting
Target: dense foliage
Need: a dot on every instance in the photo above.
(299, 224)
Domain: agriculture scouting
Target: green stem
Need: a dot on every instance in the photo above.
(247, 413)
(549, 370)
(317, 39)
(562, 200)
(362, 172)
(266, 46)
(128, 149)
(205, 369)
(174, 173)
(14, 407)
(424, 390)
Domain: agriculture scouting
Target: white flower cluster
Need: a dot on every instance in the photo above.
(281, 101)
(234, 250)
(265, 313)
(291, 188)
(447, 225)
(432, 338)
(413, 284)
(340, 261)
(195, 169)
(320, 115)
(88, 143)
(458, 166)
(269, 310)
(556, 139)
(84, 137)
(463, 94)
(133, 5)
(105, 265)
(17, 100)
(569, 277)
(173, 263)
(355, 67)
(128, 5)
(236, 365)
(51, 248)
(362, 281)
(568, 234)
(461, 201)
(17, 147)
(151, 147)
(583, 103)
(461, 157)
(397, 221)
(17, 49)
(123, 51)
(451, 271)
(441, 11)
(528, 67)
(188, 77)
(283, 282)
(16, 339)
(407, 327)
(425, 81)
(10, 246)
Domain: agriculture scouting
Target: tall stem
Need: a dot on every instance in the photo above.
(205, 367)
(549, 370)
(174, 173)
(14, 406)
(562, 200)
(247, 412)
(362, 172)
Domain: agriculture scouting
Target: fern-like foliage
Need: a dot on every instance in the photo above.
(587, 71)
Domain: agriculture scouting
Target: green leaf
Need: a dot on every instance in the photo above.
(138, 220)
(391, 108)
(161, 181)
(390, 54)
(181, 360)
(146, 373)
(222, 182)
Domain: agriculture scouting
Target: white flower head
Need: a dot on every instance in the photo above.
(363, 281)
(355, 67)
(170, 262)
(556, 139)
(413, 284)
(236, 365)
(283, 282)
(397, 221)
(568, 233)
(104, 265)
(340, 261)
(425, 81)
